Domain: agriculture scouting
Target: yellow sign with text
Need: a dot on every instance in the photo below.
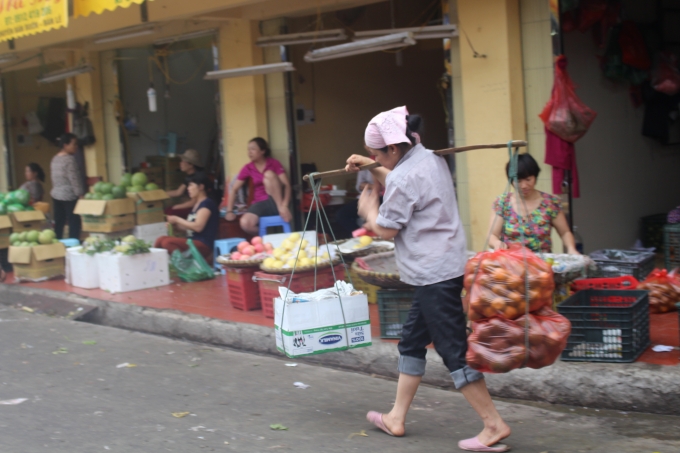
(87, 7)
(27, 17)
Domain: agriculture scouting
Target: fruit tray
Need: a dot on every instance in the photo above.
(288, 270)
(346, 247)
(379, 269)
(239, 263)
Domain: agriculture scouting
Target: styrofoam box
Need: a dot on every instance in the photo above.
(150, 232)
(316, 327)
(121, 273)
(81, 269)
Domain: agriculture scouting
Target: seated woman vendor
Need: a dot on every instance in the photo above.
(271, 188)
(534, 214)
(201, 226)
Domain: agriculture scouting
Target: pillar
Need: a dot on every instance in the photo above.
(4, 149)
(492, 104)
(88, 88)
(111, 105)
(242, 99)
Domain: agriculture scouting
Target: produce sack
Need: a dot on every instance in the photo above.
(190, 265)
(495, 283)
(498, 345)
(565, 115)
(664, 290)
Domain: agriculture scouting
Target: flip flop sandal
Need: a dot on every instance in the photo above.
(376, 419)
(473, 444)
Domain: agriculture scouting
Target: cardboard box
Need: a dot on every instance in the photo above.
(101, 216)
(150, 232)
(5, 231)
(149, 206)
(81, 269)
(311, 328)
(114, 236)
(38, 263)
(120, 273)
(27, 220)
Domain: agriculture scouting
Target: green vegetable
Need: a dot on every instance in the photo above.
(118, 192)
(139, 179)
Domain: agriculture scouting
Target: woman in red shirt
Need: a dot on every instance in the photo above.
(271, 188)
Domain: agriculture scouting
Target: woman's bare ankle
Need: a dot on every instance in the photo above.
(395, 424)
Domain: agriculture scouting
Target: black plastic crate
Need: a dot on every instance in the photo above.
(393, 306)
(606, 325)
(651, 233)
(671, 245)
(616, 263)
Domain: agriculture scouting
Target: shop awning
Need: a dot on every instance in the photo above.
(86, 7)
(18, 19)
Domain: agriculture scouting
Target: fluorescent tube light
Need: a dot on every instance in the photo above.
(184, 37)
(430, 32)
(249, 71)
(63, 74)
(8, 57)
(392, 41)
(123, 36)
(302, 38)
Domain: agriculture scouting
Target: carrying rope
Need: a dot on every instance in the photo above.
(317, 207)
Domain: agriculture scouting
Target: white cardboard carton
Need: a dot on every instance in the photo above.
(81, 269)
(317, 327)
(150, 232)
(120, 273)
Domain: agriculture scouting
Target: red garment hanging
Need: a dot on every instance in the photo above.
(562, 156)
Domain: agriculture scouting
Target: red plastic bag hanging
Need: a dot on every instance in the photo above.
(664, 290)
(495, 283)
(591, 12)
(633, 47)
(565, 115)
(498, 345)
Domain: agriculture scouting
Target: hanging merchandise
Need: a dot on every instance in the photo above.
(612, 61)
(633, 48)
(561, 155)
(591, 12)
(151, 94)
(82, 126)
(666, 77)
(565, 114)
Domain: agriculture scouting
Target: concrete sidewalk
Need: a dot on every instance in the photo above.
(626, 387)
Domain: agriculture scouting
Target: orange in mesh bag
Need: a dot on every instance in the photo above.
(664, 290)
(495, 283)
(497, 345)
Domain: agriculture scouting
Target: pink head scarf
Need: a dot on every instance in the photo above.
(388, 128)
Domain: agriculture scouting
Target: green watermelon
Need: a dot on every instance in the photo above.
(151, 186)
(107, 197)
(139, 179)
(14, 238)
(97, 196)
(29, 208)
(15, 207)
(118, 192)
(22, 196)
(97, 186)
(2, 196)
(88, 196)
(3, 208)
(32, 236)
(22, 236)
(126, 180)
(136, 189)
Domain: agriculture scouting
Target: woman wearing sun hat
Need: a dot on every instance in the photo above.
(419, 211)
(190, 164)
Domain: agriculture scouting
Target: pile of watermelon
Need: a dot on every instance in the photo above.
(33, 238)
(15, 201)
(128, 184)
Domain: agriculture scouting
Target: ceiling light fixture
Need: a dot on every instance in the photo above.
(63, 74)
(249, 71)
(429, 32)
(184, 37)
(363, 46)
(120, 37)
(302, 38)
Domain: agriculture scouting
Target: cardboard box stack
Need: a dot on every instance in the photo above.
(149, 206)
(101, 216)
(27, 220)
(38, 263)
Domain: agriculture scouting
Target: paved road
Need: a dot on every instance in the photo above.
(80, 401)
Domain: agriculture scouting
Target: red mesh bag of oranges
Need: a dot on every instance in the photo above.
(664, 290)
(496, 283)
(498, 345)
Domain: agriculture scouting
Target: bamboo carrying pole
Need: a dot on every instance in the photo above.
(440, 152)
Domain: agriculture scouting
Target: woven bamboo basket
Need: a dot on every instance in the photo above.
(379, 269)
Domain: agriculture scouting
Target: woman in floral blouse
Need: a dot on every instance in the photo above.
(535, 214)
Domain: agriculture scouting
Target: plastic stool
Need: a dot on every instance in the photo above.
(223, 247)
(272, 221)
(70, 242)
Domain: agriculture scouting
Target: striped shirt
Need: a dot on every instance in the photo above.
(66, 181)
